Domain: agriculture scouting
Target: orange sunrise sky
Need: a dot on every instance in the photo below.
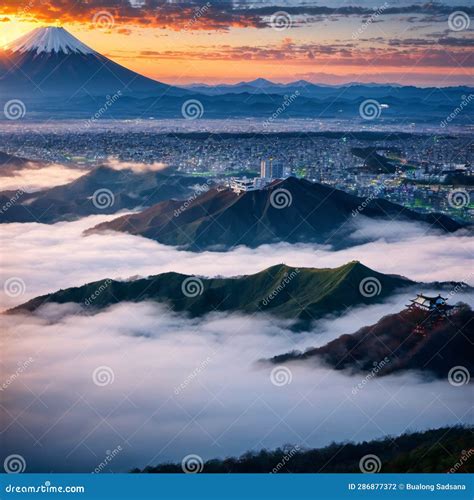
(325, 42)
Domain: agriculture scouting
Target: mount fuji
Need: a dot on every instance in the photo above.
(49, 61)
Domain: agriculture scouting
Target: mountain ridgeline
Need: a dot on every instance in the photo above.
(299, 294)
(50, 63)
(395, 343)
(121, 189)
(441, 450)
(290, 210)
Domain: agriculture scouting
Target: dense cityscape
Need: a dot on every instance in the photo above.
(416, 170)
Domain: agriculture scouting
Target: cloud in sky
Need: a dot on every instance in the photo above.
(203, 15)
(170, 386)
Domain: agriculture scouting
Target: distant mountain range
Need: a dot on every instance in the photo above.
(299, 294)
(104, 190)
(49, 62)
(393, 345)
(434, 451)
(290, 210)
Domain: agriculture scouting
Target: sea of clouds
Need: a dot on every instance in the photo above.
(49, 257)
(160, 386)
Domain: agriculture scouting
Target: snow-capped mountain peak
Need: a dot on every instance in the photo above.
(49, 40)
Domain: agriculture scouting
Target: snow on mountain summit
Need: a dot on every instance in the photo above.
(49, 40)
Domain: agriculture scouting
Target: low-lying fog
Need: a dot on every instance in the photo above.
(157, 386)
(160, 386)
(39, 177)
(48, 257)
